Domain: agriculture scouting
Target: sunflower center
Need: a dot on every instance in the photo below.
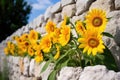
(97, 21)
(52, 27)
(93, 42)
(47, 43)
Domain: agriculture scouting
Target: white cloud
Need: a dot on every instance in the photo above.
(41, 4)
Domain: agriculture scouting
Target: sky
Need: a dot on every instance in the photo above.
(39, 7)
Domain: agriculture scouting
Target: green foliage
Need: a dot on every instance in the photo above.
(13, 15)
(107, 34)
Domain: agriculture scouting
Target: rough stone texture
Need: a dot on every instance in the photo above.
(82, 6)
(26, 69)
(66, 2)
(97, 73)
(26, 66)
(69, 73)
(69, 10)
(32, 67)
(16, 60)
(117, 4)
(80, 17)
(39, 20)
(107, 5)
(57, 18)
(56, 8)
(48, 13)
(44, 75)
(113, 28)
(38, 68)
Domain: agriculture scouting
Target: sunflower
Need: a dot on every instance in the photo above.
(12, 48)
(46, 43)
(39, 56)
(33, 36)
(56, 35)
(30, 51)
(91, 42)
(96, 18)
(19, 40)
(24, 36)
(6, 50)
(65, 35)
(80, 28)
(57, 55)
(50, 27)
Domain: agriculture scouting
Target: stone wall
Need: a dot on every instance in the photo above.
(25, 69)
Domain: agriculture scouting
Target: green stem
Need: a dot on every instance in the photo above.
(73, 26)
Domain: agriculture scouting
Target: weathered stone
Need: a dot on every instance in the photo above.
(26, 78)
(80, 17)
(67, 2)
(82, 6)
(48, 13)
(69, 10)
(57, 18)
(38, 68)
(117, 4)
(21, 65)
(39, 20)
(44, 75)
(16, 60)
(107, 5)
(69, 73)
(97, 72)
(56, 8)
(113, 27)
(32, 67)
(26, 66)
(117, 76)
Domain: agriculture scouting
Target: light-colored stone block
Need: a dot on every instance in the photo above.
(106, 5)
(69, 10)
(69, 73)
(82, 6)
(32, 67)
(48, 13)
(26, 66)
(97, 72)
(67, 2)
(117, 4)
(56, 8)
(57, 18)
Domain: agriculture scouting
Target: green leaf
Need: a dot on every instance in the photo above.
(45, 66)
(52, 75)
(107, 34)
(109, 18)
(106, 59)
(63, 56)
(109, 60)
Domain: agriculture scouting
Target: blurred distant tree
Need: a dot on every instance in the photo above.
(13, 15)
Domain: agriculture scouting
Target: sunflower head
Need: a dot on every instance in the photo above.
(65, 35)
(96, 18)
(91, 42)
(80, 28)
(31, 51)
(56, 34)
(6, 50)
(24, 36)
(12, 48)
(46, 43)
(33, 36)
(39, 58)
(50, 27)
